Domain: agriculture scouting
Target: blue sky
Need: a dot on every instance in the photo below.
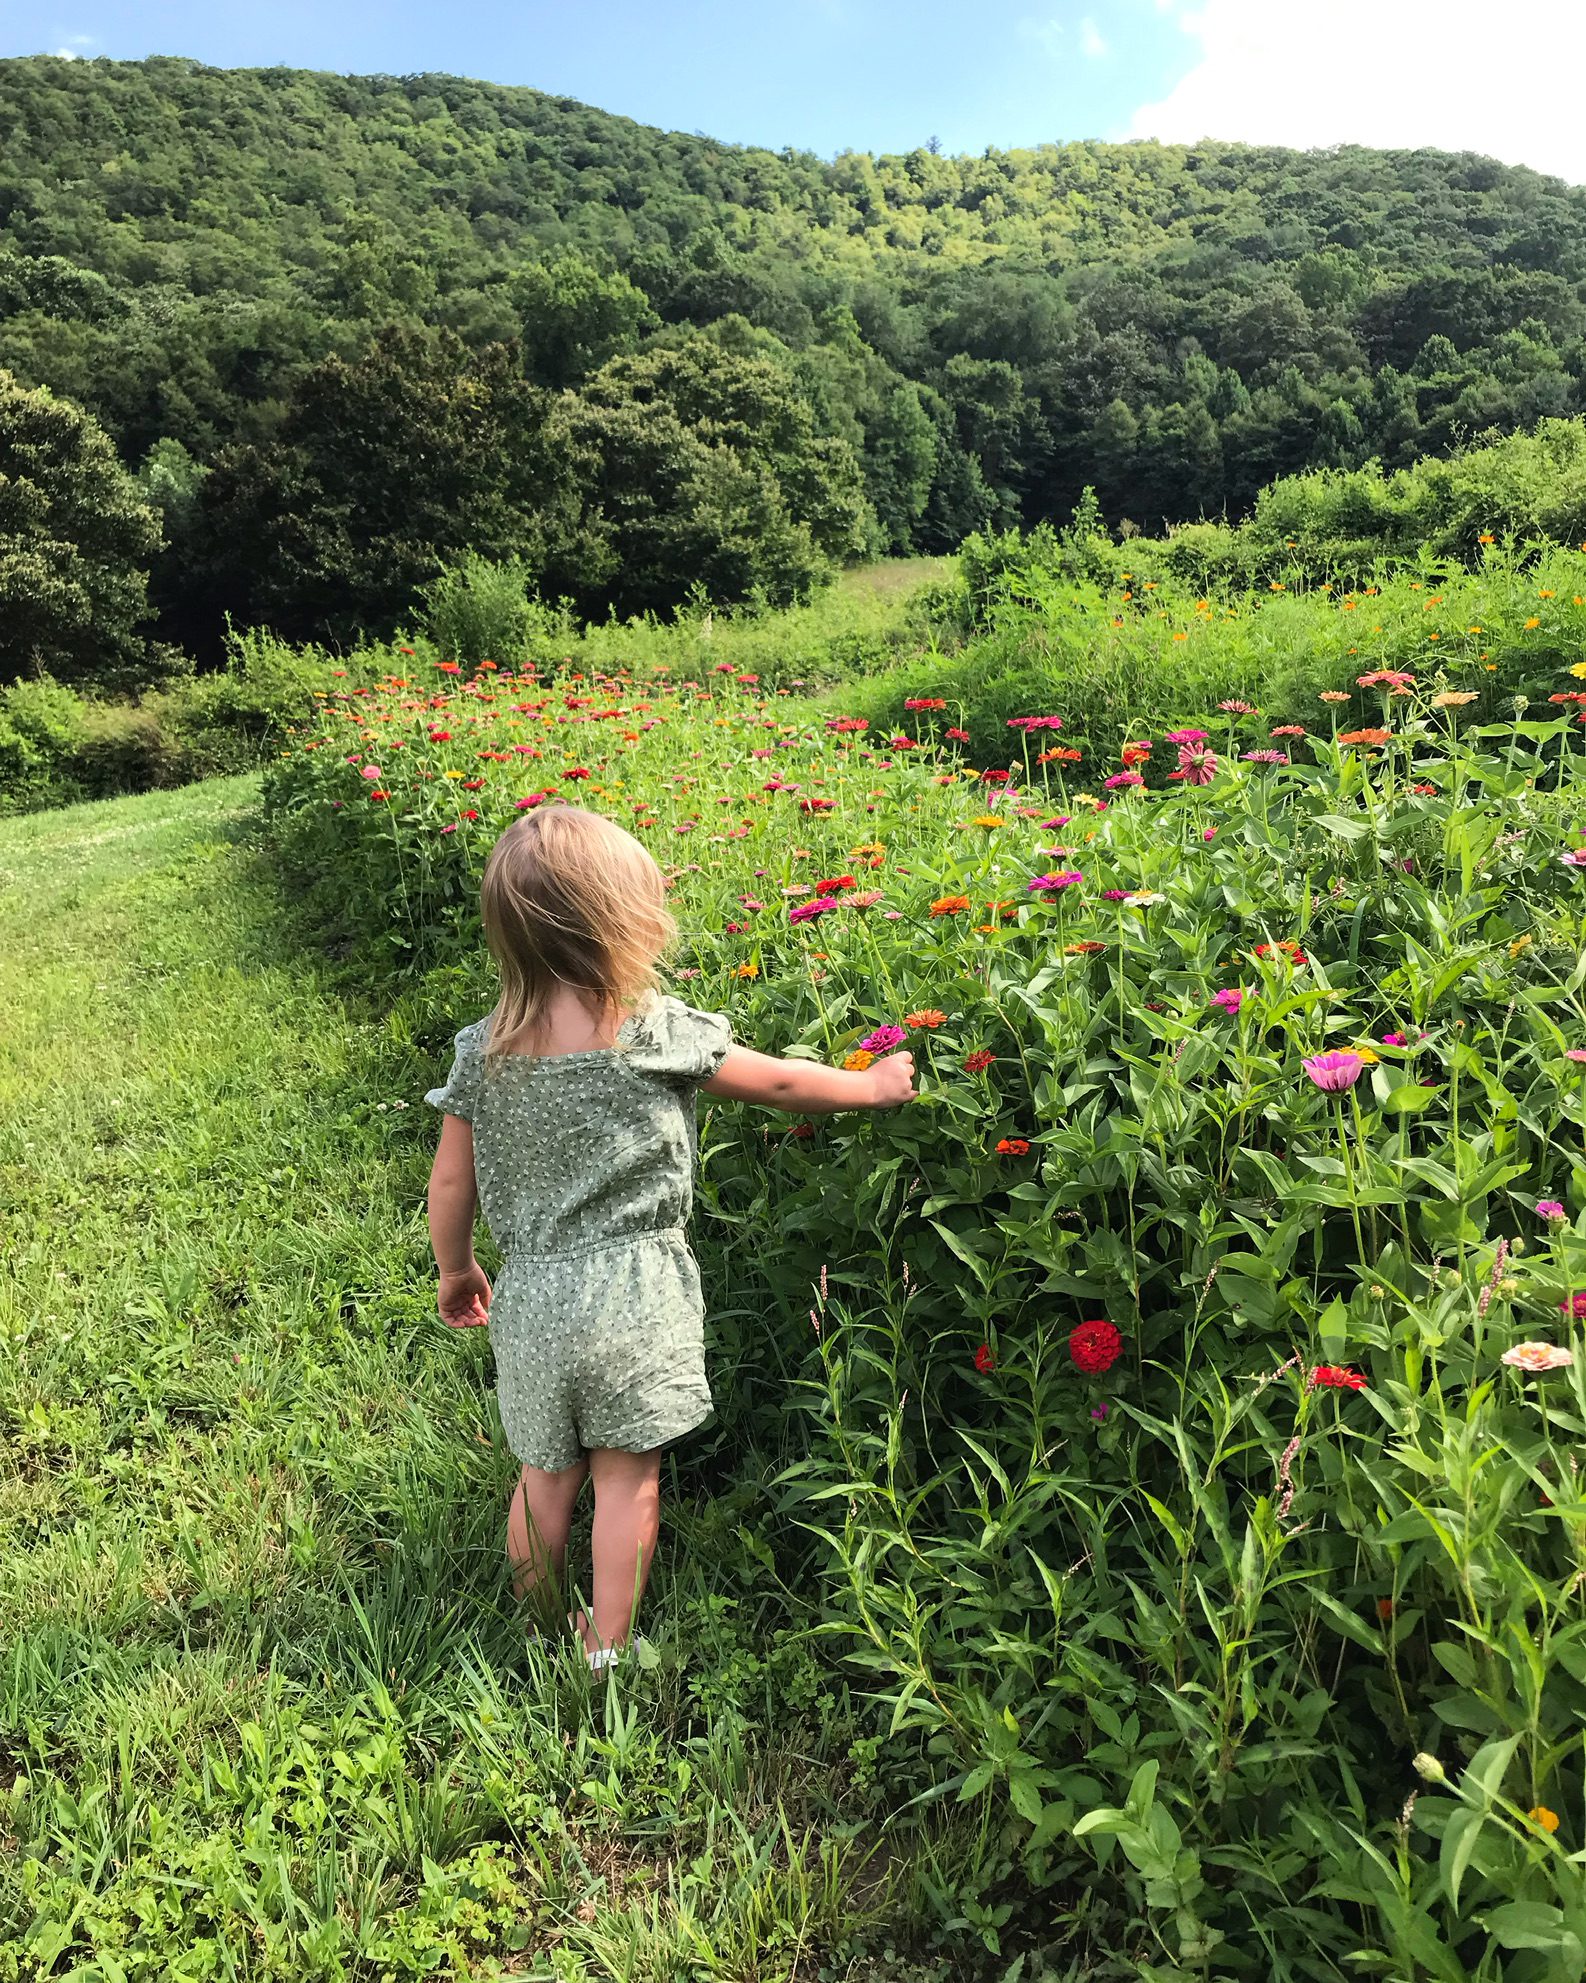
(877, 75)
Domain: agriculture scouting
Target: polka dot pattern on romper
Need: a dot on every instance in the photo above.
(585, 1168)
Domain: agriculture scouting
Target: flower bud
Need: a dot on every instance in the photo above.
(1428, 1767)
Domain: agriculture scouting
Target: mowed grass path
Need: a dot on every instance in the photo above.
(264, 1707)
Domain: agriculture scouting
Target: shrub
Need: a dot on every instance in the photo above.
(479, 611)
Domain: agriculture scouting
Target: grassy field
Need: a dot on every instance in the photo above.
(264, 1709)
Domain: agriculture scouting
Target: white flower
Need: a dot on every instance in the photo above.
(1143, 898)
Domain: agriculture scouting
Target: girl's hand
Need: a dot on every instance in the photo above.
(892, 1080)
(464, 1297)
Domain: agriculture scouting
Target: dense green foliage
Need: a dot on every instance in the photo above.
(205, 259)
(76, 536)
(1255, 1631)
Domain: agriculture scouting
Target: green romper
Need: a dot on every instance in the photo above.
(585, 1167)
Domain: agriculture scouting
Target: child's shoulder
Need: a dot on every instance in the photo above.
(667, 1038)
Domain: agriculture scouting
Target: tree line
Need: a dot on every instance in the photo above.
(338, 329)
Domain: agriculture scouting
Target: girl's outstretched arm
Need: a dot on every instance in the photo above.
(464, 1298)
(805, 1087)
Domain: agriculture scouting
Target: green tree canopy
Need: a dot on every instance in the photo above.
(76, 537)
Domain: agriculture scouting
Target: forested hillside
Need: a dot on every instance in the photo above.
(305, 307)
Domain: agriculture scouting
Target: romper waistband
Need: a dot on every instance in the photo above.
(517, 1249)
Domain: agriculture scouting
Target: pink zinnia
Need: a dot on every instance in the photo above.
(1266, 757)
(1393, 1040)
(1049, 884)
(1239, 708)
(372, 773)
(1114, 894)
(1229, 1000)
(1035, 722)
(1334, 1072)
(1575, 858)
(1550, 1208)
(1196, 764)
(750, 903)
(1187, 736)
(883, 1039)
(1575, 1053)
(867, 898)
(1574, 1306)
(806, 912)
(1122, 778)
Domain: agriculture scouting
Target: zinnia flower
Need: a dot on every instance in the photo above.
(1575, 858)
(985, 1359)
(1123, 780)
(1186, 736)
(1229, 1000)
(1134, 754)
(1550, 1208)
(926, 1018)
(1235, 708)
(1196, 765)
(1266, 757)
(1537, 1357)
(924, 702)
(1013, 1146)
(858, 1060)
(1330, 1377)
(1095, 1346)
(978, 1061)
(883, 1040)
(1050, 884)
(1334, 1072)
(958, 736)
(372, 773)
(1539, 1814)
(806, 912)
(950, 905)
(1575, 1053)
(835, 885)
(1364, 736)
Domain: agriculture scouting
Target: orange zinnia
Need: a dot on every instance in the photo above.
(929, 1017)
(1365, 736)
(950, 905)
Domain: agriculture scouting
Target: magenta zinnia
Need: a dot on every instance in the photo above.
(1049, 884)
(883, 1039)
(1334, 1072)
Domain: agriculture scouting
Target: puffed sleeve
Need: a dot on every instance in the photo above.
(673, 1042)
(460, 1094)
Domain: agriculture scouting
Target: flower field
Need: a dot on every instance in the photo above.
(1173, 1418)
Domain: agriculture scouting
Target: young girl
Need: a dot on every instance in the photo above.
(569, 1115)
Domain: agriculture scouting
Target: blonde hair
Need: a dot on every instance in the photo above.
(568, 898)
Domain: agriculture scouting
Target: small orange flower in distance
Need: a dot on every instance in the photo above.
(858, 1061)
(747, 971)
(1087, 947)
(1134, 754)
(927, 1018)
(950, 905)
(1013, 1146)
(1365, 736)
(1532, 622)
(1486, 537)
(1541, 1815)
(1334, 695)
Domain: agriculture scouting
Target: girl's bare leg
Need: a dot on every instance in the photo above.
(627, 1521)
(538, 1521)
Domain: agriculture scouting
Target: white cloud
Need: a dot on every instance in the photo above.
(1457, 75)
(1090, 39)
(67, 54)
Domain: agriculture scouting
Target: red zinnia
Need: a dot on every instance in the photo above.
(1095, 1346)
(979, 1061)
(1330, 1377)
(958, 736)
(985, 1359)
(578, 771)
(1013, 1146)
(835, 885)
